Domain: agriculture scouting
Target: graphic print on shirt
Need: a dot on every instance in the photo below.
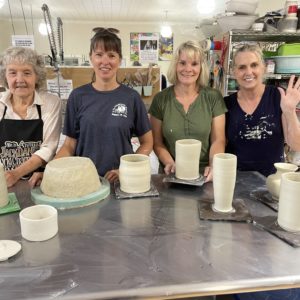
(14, 154)
(261, 131)
(119, 110)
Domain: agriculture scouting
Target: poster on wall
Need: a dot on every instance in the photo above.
(150, 47)
(166, 48)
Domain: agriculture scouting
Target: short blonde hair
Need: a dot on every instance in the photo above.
(23, 56)
(192, 49)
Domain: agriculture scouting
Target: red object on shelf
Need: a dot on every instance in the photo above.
(217, 45)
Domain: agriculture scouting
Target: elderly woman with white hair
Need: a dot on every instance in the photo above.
(30, 119)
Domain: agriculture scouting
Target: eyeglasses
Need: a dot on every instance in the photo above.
(105, 30)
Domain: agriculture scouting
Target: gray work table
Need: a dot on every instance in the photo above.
(148, 247)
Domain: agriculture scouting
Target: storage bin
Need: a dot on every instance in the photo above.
(242, 6)
(242, 22)
(289, 49)
(287, 64)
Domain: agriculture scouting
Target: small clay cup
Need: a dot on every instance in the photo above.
(38, 223)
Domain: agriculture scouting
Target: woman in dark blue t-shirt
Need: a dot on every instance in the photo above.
(102, 116)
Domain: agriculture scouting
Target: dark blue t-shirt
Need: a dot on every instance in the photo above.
(103, 123)
(256, 139)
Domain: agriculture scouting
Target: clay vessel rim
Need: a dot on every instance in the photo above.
(52, 213)
(188, 142)
(292, 177)
(282, 166)
(225, 156)
(135, 158)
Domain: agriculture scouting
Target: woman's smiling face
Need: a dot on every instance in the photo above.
(188, 69)
(21, 79)
(105, 63)
(248, 70)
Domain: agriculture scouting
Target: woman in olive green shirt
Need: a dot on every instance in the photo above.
(188, 110)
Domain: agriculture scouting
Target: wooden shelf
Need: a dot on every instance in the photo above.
(83, 75)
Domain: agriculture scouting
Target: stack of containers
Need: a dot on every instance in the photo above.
(288, 59)
(240, 15)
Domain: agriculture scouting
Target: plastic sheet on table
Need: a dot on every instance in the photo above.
(265, 197)
(12, 206)
(270, 224)
(153, 192)
(240, 212)
(196, 182)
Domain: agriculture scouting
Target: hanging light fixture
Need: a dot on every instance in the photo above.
(166, 30)
(43, 29)
(206, 7)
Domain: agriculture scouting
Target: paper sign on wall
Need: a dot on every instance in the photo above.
(26, 41)
(61, 87)
(148, 48)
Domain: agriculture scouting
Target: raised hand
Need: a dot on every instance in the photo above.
(291, 96)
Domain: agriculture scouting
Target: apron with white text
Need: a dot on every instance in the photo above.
(19, 139)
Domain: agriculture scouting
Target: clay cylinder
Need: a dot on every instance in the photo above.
(3, 188)
(224, 177)
(38, 223)
(187, 152)
(135, 173)
(289, 202)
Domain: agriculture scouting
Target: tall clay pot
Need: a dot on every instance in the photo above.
(224, 178)
(135, 173)
(273, 181)
(289, 202)
(187, 152)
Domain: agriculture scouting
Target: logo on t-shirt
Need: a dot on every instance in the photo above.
(260, 131)
(119, 110)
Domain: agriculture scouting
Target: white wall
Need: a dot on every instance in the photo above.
(77, 34)
(77, 37)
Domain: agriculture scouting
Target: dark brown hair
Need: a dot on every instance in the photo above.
(106, 37)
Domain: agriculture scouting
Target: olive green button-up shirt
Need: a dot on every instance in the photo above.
(194, 124)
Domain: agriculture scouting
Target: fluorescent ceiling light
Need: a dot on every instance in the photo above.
(166, 30)
(43, 28)
(206, 7)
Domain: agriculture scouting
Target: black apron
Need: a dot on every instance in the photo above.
(19, 139)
